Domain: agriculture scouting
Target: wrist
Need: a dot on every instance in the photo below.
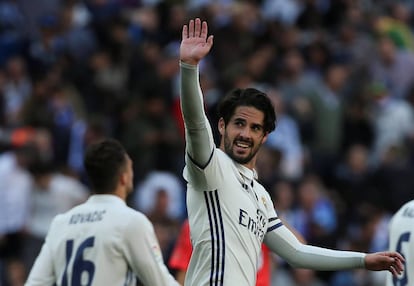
(363, 261)
(191, 62)
(188, 65)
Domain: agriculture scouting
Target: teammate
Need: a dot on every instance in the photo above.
(181, 255)
(102, 242)
(402, 240)
(230, 213)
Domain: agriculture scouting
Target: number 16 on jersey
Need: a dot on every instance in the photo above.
(82, 269)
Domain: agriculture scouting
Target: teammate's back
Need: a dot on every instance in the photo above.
(103, 241)
(402, 240)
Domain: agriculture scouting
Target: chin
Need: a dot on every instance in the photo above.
(241, 160)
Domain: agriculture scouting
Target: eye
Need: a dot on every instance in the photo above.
(257, 128)
(239, 123)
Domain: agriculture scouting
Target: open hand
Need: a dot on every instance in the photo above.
(387, 260)
(195, 44)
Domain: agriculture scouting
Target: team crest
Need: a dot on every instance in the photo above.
(264, 201)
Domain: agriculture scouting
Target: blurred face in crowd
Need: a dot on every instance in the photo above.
(386, 50)
(243, 135)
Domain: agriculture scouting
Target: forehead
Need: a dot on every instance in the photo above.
(248, 113)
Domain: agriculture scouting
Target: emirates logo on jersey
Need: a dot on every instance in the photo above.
(256, 225)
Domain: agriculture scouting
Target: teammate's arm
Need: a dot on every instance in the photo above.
(195, 45)
(284, 243)
(143, 253)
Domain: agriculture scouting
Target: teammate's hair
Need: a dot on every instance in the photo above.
(248, 97)
(104, 161)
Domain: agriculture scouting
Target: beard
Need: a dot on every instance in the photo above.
(241, 159)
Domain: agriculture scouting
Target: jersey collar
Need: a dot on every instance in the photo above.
(105, 199)
(246, 172)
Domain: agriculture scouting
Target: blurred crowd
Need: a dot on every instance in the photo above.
(340, 74)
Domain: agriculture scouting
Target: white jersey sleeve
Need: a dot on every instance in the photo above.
(143, 254)
(198, 134)
(282, 241)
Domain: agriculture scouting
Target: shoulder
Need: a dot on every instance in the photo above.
(58, 222)
(133, 217)
(218, 159)
(136, 225)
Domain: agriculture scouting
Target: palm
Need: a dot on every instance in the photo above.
(195, 45)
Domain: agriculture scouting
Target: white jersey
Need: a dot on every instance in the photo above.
(402, 240)
(229, 214)
(100, 242)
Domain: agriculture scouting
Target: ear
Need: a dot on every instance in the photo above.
(265, 137)
(221, 126)
(123, 179)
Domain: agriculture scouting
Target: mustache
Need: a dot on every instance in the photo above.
(243, 140)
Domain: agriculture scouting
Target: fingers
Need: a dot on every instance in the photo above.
(210, 41)
(191, 29)
(394, 255)
(204, 30)
(397, 264)
(195, 29)
(185, 32)
(393, 271)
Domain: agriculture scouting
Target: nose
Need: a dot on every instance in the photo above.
(245, 132)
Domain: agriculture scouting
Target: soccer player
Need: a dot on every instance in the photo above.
(102, 241)
(402, 240)
(230, 213)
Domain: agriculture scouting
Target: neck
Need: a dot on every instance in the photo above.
(119, 192)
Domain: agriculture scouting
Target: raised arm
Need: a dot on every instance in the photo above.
(195, 45)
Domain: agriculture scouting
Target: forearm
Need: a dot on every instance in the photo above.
(199, 138)
(285, 244)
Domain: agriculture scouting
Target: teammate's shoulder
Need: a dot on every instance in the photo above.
(134, 214)
(58, 220)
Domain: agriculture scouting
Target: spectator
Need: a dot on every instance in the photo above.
(286, 138)
(391, 118)
(393, 67)
(15, 190)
